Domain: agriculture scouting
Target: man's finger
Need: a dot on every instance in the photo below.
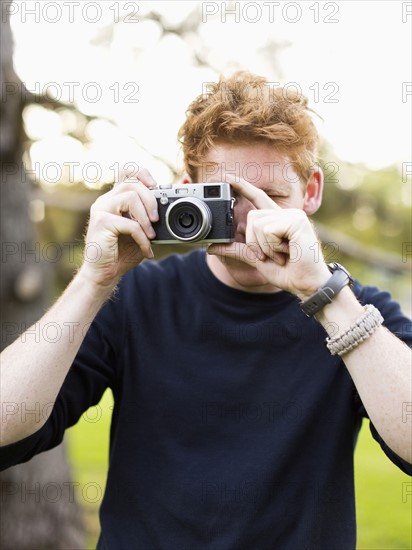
(138, 175)
(256, 196)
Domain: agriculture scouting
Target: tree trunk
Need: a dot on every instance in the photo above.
(38, 509)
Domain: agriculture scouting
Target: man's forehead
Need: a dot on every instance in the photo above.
(257, 162)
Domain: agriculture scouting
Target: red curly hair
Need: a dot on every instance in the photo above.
(246, 108)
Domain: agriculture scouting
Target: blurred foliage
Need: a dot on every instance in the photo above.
(371, 206)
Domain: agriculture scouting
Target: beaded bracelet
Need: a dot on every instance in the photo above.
(366, 325)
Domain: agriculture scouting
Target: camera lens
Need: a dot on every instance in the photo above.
(188, 219)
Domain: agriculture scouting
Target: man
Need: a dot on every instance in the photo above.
(234, 424)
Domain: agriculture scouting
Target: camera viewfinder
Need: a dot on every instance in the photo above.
(212, 191)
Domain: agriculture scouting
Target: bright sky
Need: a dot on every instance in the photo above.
(351, 58)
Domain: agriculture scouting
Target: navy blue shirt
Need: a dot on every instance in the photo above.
(233, 426)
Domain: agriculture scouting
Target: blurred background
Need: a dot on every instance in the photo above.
(92, 88)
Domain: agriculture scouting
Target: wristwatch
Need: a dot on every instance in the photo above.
(324, 295)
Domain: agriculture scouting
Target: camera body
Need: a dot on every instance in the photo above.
(194, 213)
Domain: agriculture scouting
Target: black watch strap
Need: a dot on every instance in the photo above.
(324, 295)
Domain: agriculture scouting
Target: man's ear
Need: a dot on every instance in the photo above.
(313, 191)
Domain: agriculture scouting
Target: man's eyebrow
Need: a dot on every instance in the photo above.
(277, 188)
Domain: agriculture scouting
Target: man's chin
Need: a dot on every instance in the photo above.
(238, 274)
(239, 257)
(244, 274)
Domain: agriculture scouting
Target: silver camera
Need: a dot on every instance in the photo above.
(194, 213)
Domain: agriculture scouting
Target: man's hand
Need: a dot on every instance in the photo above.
(120, 229)
(280, 243)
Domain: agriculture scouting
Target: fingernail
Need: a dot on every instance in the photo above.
(155, 215)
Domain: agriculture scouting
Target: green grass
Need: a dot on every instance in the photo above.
(88, 444)
(384, 493)
(384, 498)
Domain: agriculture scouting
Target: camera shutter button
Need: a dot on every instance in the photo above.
(165, 186)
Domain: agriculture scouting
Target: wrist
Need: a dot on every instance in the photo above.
(94, 285)
(315, 284)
